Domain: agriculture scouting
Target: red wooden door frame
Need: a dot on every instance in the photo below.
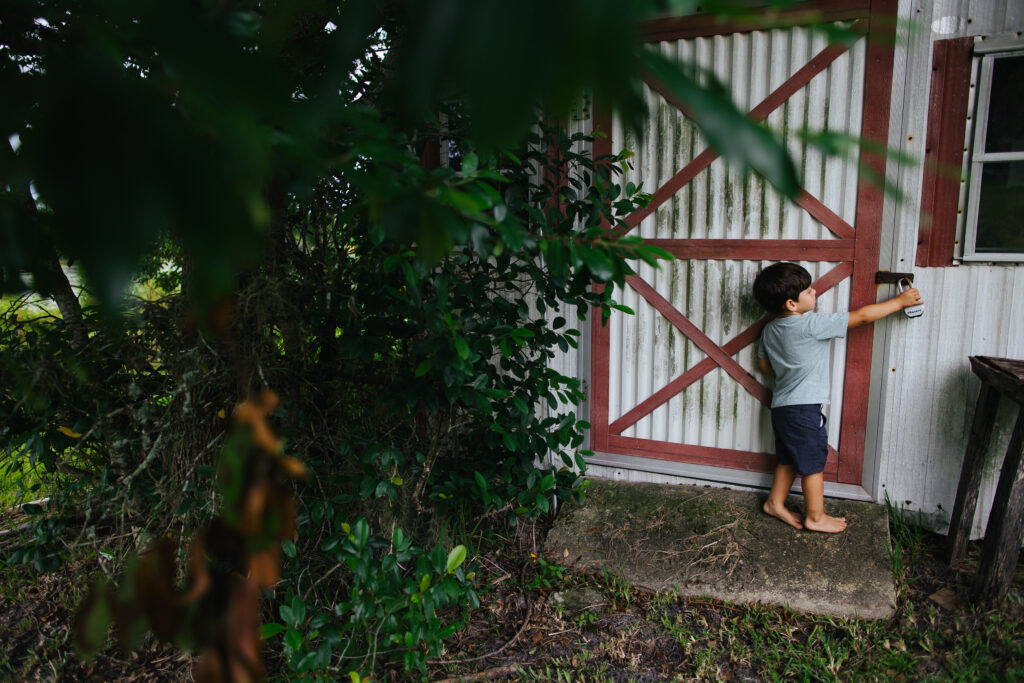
(855, 250)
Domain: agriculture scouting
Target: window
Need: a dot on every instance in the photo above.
(994, 221)
(972, 201)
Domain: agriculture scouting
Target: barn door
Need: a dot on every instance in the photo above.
(675, 381)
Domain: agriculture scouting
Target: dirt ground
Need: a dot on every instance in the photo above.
(538, 621)
(600, 629)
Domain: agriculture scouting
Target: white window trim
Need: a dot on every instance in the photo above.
(986, 52)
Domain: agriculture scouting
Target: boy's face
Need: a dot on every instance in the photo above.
(804, 303)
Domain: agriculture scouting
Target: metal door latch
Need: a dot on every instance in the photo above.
(884, 277)
(910, 311)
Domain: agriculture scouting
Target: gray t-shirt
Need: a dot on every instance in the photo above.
(798, 348)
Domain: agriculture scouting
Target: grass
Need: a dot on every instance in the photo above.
(907, 541)
(619, 632)
(35, 641)
(643, 636)
(36, 613)
(19, 483)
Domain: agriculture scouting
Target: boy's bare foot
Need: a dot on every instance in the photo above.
(783, 513)
(827, 524)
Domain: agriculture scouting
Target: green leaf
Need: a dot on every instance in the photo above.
(657, 252)
(482, 403)
(455, 558)
(548, 482)
(469, 203)
(293, 639)
(385, 488)
(598, 263)
(741, 141)
(271, 629)
(496, 393)
(288, 548)
(520, 405)
(361, 532)
(461, 348)
(480, 481)
(469, 164)
(323, 656)
(299, 609)
(424, 367)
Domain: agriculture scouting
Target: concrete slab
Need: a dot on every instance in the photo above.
(717, 542)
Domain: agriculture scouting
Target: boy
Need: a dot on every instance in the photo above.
(794, 350)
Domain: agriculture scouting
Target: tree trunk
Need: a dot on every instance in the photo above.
(67, 301)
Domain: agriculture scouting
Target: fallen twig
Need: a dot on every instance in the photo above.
(526, 622)
(486, 674)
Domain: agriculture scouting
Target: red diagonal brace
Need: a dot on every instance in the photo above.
(703, 342)
(732, 347)
(818, 63)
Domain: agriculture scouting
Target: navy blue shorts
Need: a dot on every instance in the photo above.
(801, 439)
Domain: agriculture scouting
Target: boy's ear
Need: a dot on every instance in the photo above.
(791, 305)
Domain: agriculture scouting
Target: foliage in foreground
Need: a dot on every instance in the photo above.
(263, 165)
(411, 390)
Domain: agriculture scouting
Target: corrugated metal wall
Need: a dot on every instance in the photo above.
(923, 391)
(923, 386)
(717, 204)
(646, 350)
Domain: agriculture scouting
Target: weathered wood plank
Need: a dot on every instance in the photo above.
(1006, 524)
(1004, 374)
(971, 471)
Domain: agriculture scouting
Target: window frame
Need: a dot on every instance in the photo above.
(985, 53)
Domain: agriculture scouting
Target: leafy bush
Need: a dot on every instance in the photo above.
(413, 387)
(444, 394)
(395, 606)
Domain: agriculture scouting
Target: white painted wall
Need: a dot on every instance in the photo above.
(923, 391)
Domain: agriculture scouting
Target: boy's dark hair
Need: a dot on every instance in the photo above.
(778, 283)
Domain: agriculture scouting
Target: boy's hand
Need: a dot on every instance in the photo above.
(910, 297)
(873, 312)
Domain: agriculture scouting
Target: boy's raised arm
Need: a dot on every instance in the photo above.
(873, 312)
